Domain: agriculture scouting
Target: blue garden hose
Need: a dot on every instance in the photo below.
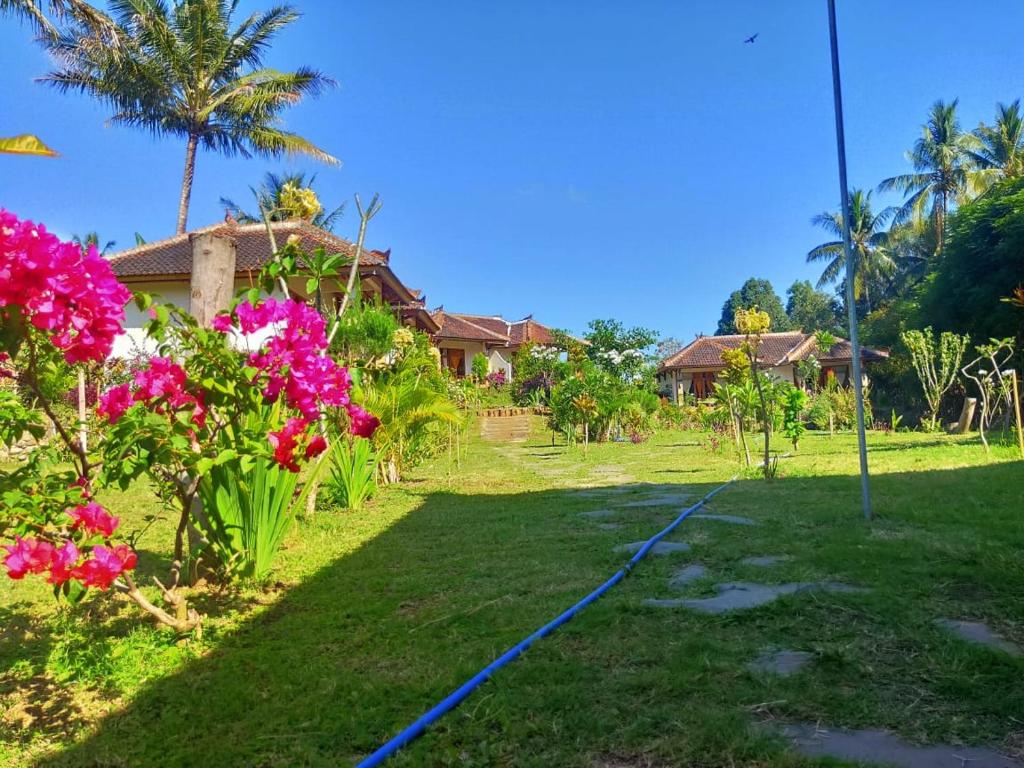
(456, 697)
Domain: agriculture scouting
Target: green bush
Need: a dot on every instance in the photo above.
(480, 366)
(353, 472)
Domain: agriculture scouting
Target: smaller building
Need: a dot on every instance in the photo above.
(695, 368)
(461, 337)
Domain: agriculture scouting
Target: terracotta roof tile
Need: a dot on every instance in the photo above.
(173, 256)
(705, 352)
(466, 327)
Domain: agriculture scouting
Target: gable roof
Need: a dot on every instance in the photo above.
(492, 329)
(172, 257)
(705, 352)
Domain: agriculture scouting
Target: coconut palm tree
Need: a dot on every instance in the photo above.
(1001, 154)
(869, 240)
(184, 70)
(945, 171)
(268, 197)
(42, 15)
(93, 239)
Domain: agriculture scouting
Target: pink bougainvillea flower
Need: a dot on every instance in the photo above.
(363, 423)
(161, 378)
(222, 322)
(63, 563)
(94, 518)
(105, 566)
(73, 297)
(114, 402)
(285, 442)
(27, 556)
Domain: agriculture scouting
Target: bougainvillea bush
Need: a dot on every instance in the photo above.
(221, 432)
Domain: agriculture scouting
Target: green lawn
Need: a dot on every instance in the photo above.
(377, 615)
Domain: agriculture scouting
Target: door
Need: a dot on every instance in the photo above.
(456, 361)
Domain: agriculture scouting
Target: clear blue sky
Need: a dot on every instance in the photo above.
(567, 159)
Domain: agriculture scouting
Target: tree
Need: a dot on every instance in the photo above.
(754, 292)
(945, 171)
(868, 243)
(618, 350)
(183, 70)
(668, 347)
(812, 310)
(1001, 154)
(936, 366)
(272, 196)
(753, 323)
(93, 239)
(45, 16)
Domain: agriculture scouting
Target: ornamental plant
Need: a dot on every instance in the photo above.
(936, 365)
(752, 323)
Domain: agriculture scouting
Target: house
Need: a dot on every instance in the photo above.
(461, 337)
(164, 267)
(694, 369)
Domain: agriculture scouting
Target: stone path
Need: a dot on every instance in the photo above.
(740, 595)
(885, 748)
(979, 633)
(764, 561)
(687, 576)
(781, 663)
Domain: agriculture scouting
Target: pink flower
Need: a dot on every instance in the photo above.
(114, 402)
(222, 323)
(317, 445)
(161, 378)
(27, 556)
(363, 423)
(105, 565)
(63, 563)
(74, 298)
(94, 518)
(285, 442)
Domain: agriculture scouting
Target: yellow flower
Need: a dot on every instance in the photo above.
(299, 202)
(402, 338)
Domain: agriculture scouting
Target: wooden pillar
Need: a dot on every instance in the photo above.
(213, 275)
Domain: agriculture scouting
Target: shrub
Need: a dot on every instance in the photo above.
(480, 366)
(353, 472)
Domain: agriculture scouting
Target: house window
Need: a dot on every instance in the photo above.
(703, 384)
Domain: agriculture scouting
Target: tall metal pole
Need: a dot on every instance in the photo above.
(851, 307)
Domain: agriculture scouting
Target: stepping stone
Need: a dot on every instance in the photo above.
(609, 526)
(734, 519)
(764, 561)
(687, 575)
(740, 595)
(667, 500)
(885, 748)
(781, 663)
(597, 514)
(661, 548)
(978, 632)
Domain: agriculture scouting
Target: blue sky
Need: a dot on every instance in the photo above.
(566, 159)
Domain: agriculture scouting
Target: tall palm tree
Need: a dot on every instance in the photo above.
(1001, 154)
(268, 197)
(945, 173)
(868, 240)
(43, 15)
(183, 70)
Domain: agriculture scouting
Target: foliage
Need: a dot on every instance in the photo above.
(497, 379)
(668, 347)
(754, 292)
(276, 198)
(993, 380)
(537, 368)
(622, 352)
(480, 366)
(1001, 151)
(809, 309)
(793, 406)
(753, 323)
(353, 473)
(367, 333)
(183, 69)
(936, 366)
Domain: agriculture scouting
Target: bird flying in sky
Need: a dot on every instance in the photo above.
(752, 38)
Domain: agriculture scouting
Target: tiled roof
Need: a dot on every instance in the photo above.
(173, 257)
(705, 352)
(461, 327)
(529, 329)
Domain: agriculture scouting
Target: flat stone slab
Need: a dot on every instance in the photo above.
(597, 514)
(733, 519)
(593, 493)
(885, 748)
(979, 633)
(661, 548)
(687, 575)
(663, 500)
(609, 526)
(740, 595)
(764, 561)
(781, 663)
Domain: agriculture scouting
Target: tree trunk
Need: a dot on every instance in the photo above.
(186, 182)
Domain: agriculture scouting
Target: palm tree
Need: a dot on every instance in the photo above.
(268, 198)
(36, 12)
(869, 241)
(1001, 154)
(93, 239)
(183, 70)
(945, 173)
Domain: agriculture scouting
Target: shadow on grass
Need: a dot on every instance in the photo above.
(354, 653)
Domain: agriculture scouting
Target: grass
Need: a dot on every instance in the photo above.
(376, 615)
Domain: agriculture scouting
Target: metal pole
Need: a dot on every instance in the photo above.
(851, 308)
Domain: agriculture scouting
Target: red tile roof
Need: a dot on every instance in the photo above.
(172, 257)
(705, 352)
(461, 327)
(491, 328)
